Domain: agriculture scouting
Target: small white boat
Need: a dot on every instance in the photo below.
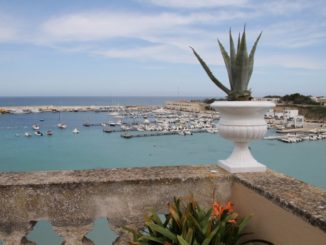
(49, 133)
(35, 127)
(38, 133)
(27, 134)
(75, 131)
(187, 132)
(272, 137)
(62, 125)
(112, 124)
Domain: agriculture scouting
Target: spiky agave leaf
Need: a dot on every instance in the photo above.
(210, 74)
(241, 65)
(232, 58)
(251, 57)
(238, 47)
(227, 62)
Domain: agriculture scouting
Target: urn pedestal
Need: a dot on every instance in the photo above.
(242, 122)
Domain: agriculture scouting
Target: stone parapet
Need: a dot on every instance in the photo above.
(72, 200)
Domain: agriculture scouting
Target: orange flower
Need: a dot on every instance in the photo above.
(229, 207)
(232, 221)
(166, 243)
(217, 209)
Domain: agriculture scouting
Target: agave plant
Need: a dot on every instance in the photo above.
(239, 65)
(189, 224)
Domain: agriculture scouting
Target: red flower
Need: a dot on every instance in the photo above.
(229, 207)
(166, 243)
(217, 209)
(232, 221)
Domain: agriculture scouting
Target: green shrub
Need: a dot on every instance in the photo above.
(188, 224)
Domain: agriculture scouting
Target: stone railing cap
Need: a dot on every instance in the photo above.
(298, 197)
(111, 175)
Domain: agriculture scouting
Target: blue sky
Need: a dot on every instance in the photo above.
(141, 47)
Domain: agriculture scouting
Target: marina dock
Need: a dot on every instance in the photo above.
(128, 136)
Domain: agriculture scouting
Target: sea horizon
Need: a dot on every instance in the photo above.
(91, 100)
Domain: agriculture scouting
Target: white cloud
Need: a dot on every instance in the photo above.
(160, 53)
(105, 25)
(291, 61)
(8, 28)
(166, 35)
(196, 3)
(7, 33)
(295, 34)
(281, 7)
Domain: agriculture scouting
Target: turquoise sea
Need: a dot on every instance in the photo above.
(94, 149)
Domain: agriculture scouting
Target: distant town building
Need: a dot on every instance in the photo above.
(271, 99)
(314, 98)
(270, 114)
(278, 115)
(290, 113)
(186, 106)
(322, 100)
(295, 122)
(289, 118)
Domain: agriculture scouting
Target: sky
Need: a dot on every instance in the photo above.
(141, 47)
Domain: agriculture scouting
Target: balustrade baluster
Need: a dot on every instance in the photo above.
(74, 235)
(15, 233)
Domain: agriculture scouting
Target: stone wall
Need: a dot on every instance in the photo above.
(72, 200)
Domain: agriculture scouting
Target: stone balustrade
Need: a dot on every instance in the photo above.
(72, 200)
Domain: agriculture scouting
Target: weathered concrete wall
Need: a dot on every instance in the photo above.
(287, 211)
(273, 223)
(71, 200)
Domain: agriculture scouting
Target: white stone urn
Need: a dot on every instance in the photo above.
(242, 122)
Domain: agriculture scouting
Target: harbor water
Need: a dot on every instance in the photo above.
(92, 148)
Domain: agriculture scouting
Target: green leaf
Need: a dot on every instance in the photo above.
(227, 62)
(251, 57)
(243, 224)
(232, 60)
(197, 225)
(189, 235)
(164, 231)
(241, 64)
(154, 239)
(238, 43)
(182, 241)
(156, 218)
(210, 237)
(175, 215)
(210, 74)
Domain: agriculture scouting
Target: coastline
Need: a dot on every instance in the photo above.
(77, 108)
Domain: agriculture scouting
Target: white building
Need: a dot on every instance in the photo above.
(271, 99)
(186, 106)
(295, 122)
(278, 115)
(290, 113)
(270, 114)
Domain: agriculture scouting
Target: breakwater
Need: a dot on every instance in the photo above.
(128, 135)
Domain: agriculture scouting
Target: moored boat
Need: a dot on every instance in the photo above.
(75, 131)
(49, 133)
(27, 134)
(35, 127)
(38, 133)
(62, 125)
